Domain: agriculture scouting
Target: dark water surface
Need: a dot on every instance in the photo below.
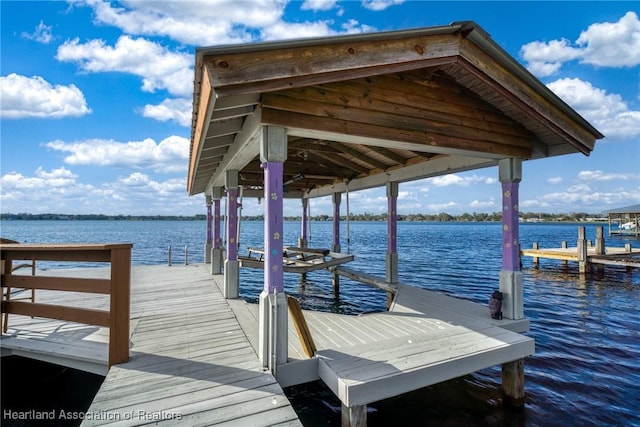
(586, 369)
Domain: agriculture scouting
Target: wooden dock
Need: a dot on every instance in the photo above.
(585, 253)
(193, 354)
(190, 361)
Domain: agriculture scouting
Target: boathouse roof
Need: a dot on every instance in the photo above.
(372, 108)
(625, 210)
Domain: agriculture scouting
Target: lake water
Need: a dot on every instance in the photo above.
(586, 369)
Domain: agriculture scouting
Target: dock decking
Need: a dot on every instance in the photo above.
(193, 354)
(425, 338)
(190, 361)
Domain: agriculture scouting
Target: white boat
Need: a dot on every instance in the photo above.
(628, 225)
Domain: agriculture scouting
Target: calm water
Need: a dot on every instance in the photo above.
(586, 369)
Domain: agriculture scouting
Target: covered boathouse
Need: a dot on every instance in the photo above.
(326, 116)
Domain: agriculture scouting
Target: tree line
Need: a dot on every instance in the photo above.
(367, 216)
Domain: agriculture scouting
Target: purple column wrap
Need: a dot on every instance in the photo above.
(273, 227)
(232, 224)
(217, 241)
(209, 220)
(392, 224)
(510, 233)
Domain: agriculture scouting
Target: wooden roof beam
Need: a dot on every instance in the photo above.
(389, 137)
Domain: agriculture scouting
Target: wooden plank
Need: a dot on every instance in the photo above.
(350, 58)
(89, 285)
(301, 326)
(119, 305)
(427, 140)
(59, 312)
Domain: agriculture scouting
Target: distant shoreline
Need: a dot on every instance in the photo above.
(525, 217)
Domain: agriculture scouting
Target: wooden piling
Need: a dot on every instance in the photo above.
(600, 245)
(582, 250)
(536, 262)
(513, 383)
(355, 416)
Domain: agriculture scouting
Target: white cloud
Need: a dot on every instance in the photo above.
(612, 44)
(211, 22)
(582, 197)
(598, 175)
(61, 191)
(158, 67)
(177, 110)
(22, 97)
(290, 30)
(378, 5)
(168, 156)
(41, 34)
(440, 207)
(555, 180)
(546, 58)
(463, 181)
(607, 112)
(353, 26)
(318, 4)
(607, 44)
(487, 204)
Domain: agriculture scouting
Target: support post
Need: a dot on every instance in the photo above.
(216, 251)
(355, 416)
(582, 250)
(335, 247)
(600, 244)
(536, 260)
(273, 317)
(231, 265)
(209, 242)
(513, 382)
(563, 245)
(391, 267)
(302, 241)
(511, 279)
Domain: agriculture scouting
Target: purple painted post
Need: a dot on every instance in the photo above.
(217, 240)
(337, 197)
(392, 224)
(510, 233)
(209, 220)
(273, 226)
(232, 224)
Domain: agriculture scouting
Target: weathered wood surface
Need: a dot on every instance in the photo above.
(611, 256)
(191, 363)
(117, 285)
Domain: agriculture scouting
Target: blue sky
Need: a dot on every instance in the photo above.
(96, 98)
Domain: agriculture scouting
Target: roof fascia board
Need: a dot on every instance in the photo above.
(206, 103)
(202, 52)
(483, 40)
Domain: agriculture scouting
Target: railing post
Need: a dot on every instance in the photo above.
(169, 255)
(119, 305)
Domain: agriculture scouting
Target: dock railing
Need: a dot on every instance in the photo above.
(118, 287)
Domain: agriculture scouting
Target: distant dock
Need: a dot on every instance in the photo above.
(585, 253)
